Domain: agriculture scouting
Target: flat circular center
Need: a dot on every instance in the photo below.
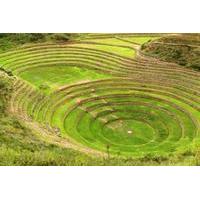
(128, 132)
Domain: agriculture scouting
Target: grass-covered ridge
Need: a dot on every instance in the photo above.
(98, 95)
(183, 49)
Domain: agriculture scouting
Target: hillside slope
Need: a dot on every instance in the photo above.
(181, 49)
(20, 145)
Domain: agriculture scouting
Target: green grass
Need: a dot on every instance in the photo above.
(137, 112)
(19, 146)
(122, 51)
(140, 40)
(110, 41)
(57, 76)
(97, 137)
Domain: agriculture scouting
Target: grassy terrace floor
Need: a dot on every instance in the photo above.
(55, 77)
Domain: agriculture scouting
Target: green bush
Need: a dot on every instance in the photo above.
(44, 86)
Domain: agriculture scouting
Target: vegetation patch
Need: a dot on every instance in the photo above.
(183, 49)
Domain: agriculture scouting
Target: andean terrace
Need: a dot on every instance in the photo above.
(103, 95)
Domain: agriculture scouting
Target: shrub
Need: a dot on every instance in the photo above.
(44, 86)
